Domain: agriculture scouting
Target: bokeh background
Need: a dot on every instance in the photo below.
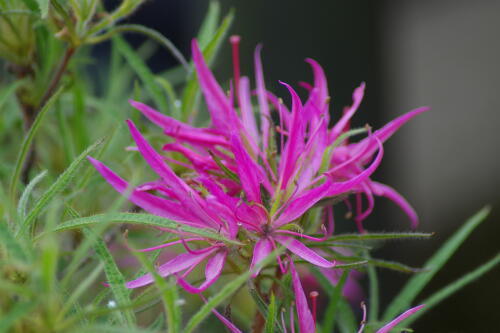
(444, 54)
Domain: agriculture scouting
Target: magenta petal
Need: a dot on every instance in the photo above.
(294, 145)
(262, 249)
(180, 130)
(390, 128)
(392, 194)
(224, 320)
(219, 106)
(212, 272)
(303, 251)
(251, 174)
(387, 328)
(247, 116)
(189, 198)
(301, 204)
(175, 265)
(357, 97)
(150, 203)
(306, 321)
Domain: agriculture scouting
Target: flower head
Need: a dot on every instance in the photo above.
(252, 181)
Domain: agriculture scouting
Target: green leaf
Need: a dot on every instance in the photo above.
(23, 201)
(43, 5)
(374, 291)
(453, 287)
(6, 93)
(413, 287)
(151, 33)
(114, 277)
(168, 294)
(11, 244)
(209, 25)
(334, 296)
(379, 236)
(32, 5)
(271, 316)
(346, 319)
(18, 311)
(60, 184)
(190, 96)
(142, 219)
(142, 70)
(229, 289)
(28, 139)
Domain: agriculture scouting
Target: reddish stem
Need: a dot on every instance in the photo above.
(235, 43)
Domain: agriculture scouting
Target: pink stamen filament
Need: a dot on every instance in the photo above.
(170, 244)
(363, 321)
(314, 239)
(235, 44)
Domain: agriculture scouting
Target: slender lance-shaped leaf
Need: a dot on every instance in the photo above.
(271, 316)
(190, 96)
(226, 292)
(12, 246)
(143, 219)
(168, 293)
(23, 152)
(18, 311)
(334, 296)
(114, 277)
(374, 291)
(9, 91)
(151, 33)
(142, 70)
(209, 25)
(44, 7)
(23, 202)
(453, 287)
(59, 185)
(413, 287)
(380, 236)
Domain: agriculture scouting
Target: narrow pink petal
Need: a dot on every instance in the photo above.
(265, 116)
(306, 321)
(189, 198)
(392, 194)
(150, 203)
(219, 106)
(262, 249)
(390, 128)
(251, 174)
(247, 115)
(223, 319)
(162, 246)
(301, 204)
(318, 98)
(387, 328)
(212, 272)
(340, 126)
(303, 251)
(179, 263)
(180, 130)
(295, 142)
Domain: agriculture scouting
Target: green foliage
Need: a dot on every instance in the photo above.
(415, 285)
(53, 281)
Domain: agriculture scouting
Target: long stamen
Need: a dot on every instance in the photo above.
(363, 321)
(235, 44)
(314, 298)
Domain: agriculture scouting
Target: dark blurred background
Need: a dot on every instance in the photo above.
(443, 54)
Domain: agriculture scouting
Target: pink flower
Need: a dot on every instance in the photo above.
(249, 186)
